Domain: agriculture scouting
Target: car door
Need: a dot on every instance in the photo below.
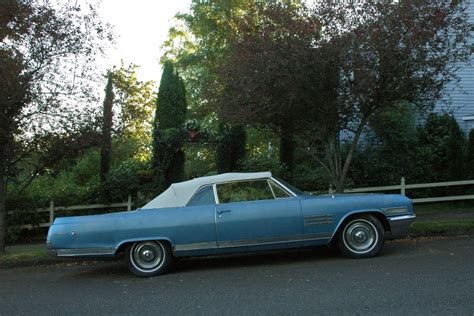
(253, 212)
(194, 225)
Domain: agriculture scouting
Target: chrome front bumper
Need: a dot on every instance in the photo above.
(400, 225)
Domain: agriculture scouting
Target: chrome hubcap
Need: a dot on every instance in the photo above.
(147, 255)
(360, 236)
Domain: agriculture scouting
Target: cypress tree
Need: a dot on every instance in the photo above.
(106, 144)
(168, 156)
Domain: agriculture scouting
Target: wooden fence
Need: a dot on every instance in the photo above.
(402, 187)
(52, 210)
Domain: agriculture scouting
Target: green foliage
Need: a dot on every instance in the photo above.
(391, 148)
(433, 152)
(330, 67)
(443, 143)
(456, 152)
(17, 219)
(123, 180)
(171, 102)
(231, 148)
(470, 154)
(47, 65)
(135, 101)
(200, 161)
(168, 157)
(106, 141)
(168, 166)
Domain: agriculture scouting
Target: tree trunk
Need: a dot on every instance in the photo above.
(333, 155)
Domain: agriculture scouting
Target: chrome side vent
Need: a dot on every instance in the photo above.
(392, 211)
(317, 220)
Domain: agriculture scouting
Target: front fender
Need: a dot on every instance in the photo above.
(355, 212)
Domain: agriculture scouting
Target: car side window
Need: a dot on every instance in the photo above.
(204, 196)
(244, 191)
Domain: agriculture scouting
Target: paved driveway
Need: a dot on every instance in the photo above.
(422, 276)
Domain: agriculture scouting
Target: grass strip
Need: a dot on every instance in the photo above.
(448, 227)
(24, 253)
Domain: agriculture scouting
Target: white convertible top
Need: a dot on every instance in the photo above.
(178, 194)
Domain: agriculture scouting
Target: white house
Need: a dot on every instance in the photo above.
(459, 99)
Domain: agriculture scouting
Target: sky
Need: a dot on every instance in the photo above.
(140, 26)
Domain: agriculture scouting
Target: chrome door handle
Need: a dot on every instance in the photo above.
(219, 212)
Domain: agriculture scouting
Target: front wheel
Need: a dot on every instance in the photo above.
(148, 258)
(361, 237)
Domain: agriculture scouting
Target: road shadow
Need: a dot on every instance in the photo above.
(119, 269)
(270, 258)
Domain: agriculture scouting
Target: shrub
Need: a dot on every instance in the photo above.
(470, 155)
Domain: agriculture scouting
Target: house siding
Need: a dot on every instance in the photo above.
(459, 98)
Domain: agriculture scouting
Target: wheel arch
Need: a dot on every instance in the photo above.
(124, 243)
(374, 212)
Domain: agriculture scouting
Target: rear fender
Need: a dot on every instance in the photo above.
(122, 244)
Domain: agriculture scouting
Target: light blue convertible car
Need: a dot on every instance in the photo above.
(232, 213)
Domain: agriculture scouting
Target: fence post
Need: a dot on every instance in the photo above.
(51, 212)
(402, 186)
(330, 191)
(129, 203)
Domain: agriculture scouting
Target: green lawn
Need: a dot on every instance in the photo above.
(448, 227)
(444, 208)
(24, 253)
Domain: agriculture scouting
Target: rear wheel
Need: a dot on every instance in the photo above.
(148, 258)
(361, 237)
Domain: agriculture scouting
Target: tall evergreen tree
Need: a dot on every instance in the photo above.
(168, 156)
(106, 145)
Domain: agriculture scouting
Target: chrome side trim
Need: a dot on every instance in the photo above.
(393, 211)
(317, 220)
(272, 240)
(85, 252)
(250, 242)
(195, 246)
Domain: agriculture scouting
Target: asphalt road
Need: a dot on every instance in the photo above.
(410, 277)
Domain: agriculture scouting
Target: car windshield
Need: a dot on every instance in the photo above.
(294, 189)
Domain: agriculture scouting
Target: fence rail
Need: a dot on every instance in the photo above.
(402, 187)
(53, 209)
